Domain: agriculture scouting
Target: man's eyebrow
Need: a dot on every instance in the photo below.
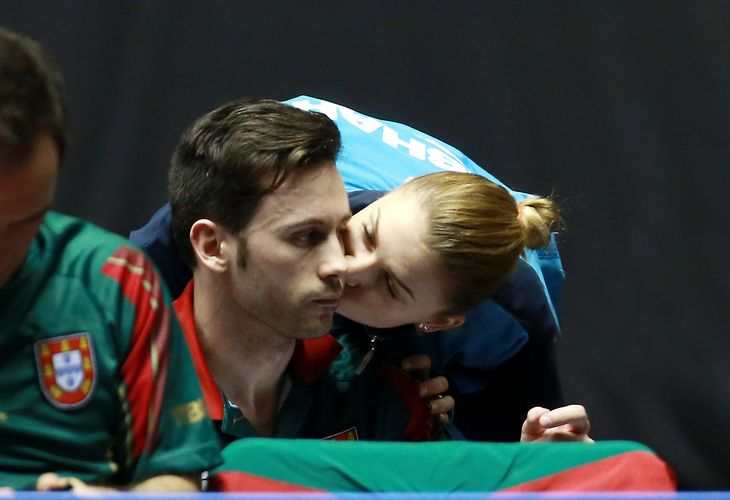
(311, 221)
(314, 221)
(376, 222)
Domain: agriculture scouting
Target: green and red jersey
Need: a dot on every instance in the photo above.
(96, 380)
(326, 398)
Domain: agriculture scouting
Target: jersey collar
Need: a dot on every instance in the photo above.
(312, 357)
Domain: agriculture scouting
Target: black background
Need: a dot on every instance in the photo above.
(620, 108)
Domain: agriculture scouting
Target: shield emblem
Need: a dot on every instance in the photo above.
(66, 369)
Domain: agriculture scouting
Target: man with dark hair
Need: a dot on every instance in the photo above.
(232, 157)
(96, 383)
(258, 211)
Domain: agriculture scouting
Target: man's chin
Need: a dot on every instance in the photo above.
(315, 327)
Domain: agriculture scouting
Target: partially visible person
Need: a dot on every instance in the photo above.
(98, 389)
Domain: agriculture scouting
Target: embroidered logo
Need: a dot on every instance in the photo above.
(346, 435)
(66, 369)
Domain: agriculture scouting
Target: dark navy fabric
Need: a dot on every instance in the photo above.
(156, 239)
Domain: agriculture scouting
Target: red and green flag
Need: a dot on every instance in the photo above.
(282, 465)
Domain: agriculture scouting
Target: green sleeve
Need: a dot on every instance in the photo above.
(165, 422)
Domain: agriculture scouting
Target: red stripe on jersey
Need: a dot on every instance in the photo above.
(631, 471)
(421, 424)
(242, 481)
(145, 369)
(186, 315)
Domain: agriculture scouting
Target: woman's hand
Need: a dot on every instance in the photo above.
(431, 389)
(567, 423)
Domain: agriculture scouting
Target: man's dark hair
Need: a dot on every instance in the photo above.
(230, 158)
(31, 97)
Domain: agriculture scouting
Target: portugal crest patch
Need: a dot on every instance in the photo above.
(66, 369)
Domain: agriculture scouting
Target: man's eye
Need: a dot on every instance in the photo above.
(309, 238)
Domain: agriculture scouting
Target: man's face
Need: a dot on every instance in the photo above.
(293, 275)
(27, 186)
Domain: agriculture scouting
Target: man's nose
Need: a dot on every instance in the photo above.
(361, 269)
(333, 263)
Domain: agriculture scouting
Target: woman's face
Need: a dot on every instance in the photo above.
(393, 278)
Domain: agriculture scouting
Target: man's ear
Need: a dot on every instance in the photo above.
(206, 237)
(441, 322)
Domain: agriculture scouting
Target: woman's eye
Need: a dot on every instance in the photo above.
(369, 237)
(391, 289)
